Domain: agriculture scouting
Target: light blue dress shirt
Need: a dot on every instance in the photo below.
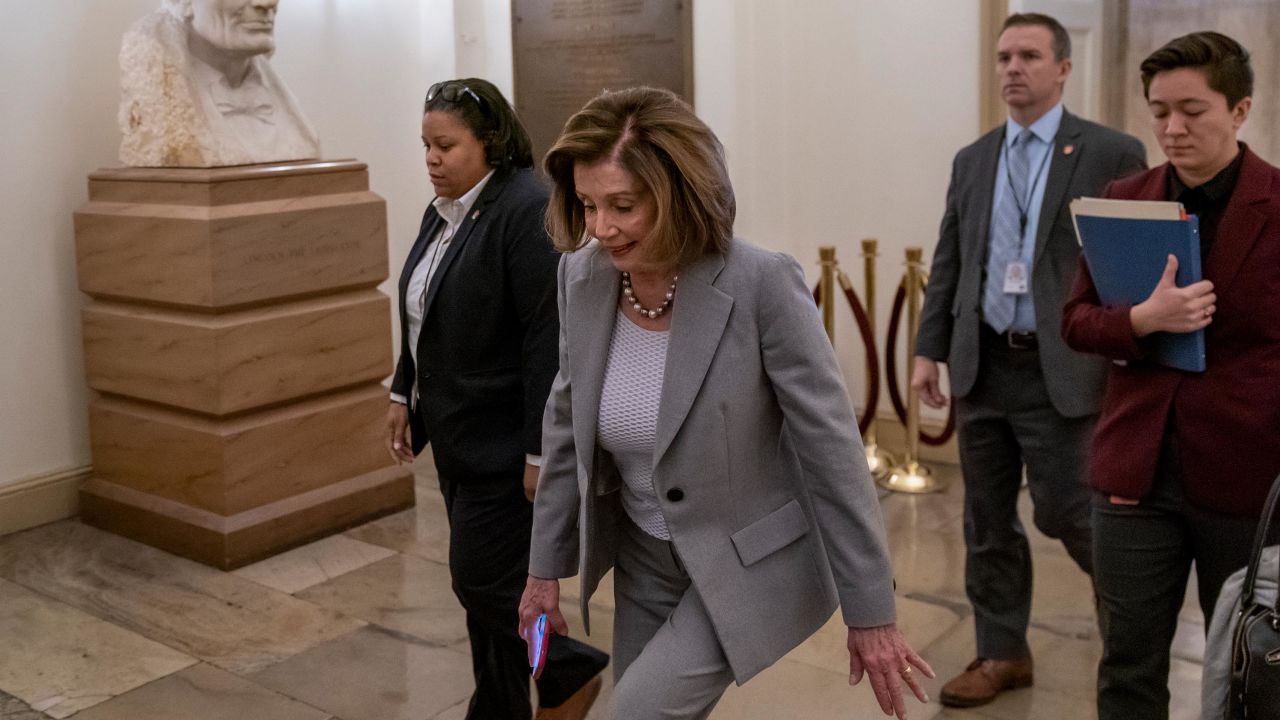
(1039, 153)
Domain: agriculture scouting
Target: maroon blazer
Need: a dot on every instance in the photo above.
(1228, 417)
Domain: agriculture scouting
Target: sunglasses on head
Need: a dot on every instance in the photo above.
(451, 91)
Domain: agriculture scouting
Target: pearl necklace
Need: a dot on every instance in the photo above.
(635, 304)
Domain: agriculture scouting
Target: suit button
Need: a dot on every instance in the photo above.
(675, 494)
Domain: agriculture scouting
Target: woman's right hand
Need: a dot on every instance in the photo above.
(399, 442)
(541, 596)
(1174, 309)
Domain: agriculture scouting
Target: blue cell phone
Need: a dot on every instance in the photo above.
(538, 641)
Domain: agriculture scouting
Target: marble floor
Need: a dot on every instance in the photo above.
(363, 626)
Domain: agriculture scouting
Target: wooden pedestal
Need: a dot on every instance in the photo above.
(237, 344)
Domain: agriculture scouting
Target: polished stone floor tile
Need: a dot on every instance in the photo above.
(1033, 704)
(1184, 689)
(457, 712)
(421, 531)
(1064, 670)
(11, 708)
(372, 674)
(571, 591)
(269, 654)
(921, 623)
(793, 689)
(202, 692)
(228, 621)
(59, 660)
(402, 593)
(312, 564)
(934, 511)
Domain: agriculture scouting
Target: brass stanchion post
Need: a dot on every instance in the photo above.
(911, 476)
(879, 461)
(827, 290)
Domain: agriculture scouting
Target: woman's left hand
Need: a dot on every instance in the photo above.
(887, 659)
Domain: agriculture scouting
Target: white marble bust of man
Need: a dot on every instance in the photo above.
(197, 90)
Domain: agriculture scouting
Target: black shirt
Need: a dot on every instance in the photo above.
(1207, 202)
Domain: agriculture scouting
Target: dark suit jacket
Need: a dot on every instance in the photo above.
(1228, 417)
(953, 301)
(487, 351)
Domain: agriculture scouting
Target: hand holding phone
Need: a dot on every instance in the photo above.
(538, 640)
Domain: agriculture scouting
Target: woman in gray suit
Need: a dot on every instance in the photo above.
(698, 438)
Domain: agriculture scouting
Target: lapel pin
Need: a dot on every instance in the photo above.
(1068, 149)
(475, 215)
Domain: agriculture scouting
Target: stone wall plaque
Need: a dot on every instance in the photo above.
(568, 51)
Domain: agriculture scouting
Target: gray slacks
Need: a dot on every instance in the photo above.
(1008, 421)
(667, 662)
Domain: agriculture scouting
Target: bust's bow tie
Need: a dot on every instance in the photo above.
(248, 100)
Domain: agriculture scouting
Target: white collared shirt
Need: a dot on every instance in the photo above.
(453, 212)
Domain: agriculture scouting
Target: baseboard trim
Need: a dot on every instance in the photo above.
(41, 499)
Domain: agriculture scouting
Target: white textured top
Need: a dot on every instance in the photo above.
(628, 423)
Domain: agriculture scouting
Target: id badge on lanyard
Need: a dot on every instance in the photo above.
(1016, 280)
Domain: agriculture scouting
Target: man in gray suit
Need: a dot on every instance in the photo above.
(1003, 265)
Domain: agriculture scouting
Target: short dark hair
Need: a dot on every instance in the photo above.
(655, 136)
(1224, 61)
(487, 114)
(1061, 40)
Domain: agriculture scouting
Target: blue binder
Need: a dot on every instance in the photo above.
(1126, 257)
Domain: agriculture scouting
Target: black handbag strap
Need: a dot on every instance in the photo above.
(1259, 542)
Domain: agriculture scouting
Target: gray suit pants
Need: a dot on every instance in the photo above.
(667, 662)
(1008, 421)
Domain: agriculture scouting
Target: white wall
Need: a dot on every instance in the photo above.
(358, 68)
(840, 120)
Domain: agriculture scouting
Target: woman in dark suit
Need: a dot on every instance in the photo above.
(698, 438)
(477, 357)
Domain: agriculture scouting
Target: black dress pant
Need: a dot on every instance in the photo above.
(489, 526)
(1142, 559)
(1005, 423)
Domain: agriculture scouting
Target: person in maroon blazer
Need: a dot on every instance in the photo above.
(1181, 462)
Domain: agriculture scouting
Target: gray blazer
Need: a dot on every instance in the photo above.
(1086, 156)
(776, 518)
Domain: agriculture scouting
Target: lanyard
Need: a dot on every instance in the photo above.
(1031, 189)
(443, 239)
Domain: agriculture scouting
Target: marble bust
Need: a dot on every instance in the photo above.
(197, 90)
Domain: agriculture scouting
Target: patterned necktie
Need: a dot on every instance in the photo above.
(1006, 236)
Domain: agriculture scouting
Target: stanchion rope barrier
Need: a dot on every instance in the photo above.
(891, 369)
(868, 342)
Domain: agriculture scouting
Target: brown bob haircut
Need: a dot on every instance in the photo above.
(655, 136)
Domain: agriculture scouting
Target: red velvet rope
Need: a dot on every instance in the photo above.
(891, 373)
(872, 357)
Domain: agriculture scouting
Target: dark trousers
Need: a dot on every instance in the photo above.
(489, 526)
(1142, 556)
(1005, 423)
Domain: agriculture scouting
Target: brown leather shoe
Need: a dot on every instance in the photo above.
(984, 679)
(576, 707)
